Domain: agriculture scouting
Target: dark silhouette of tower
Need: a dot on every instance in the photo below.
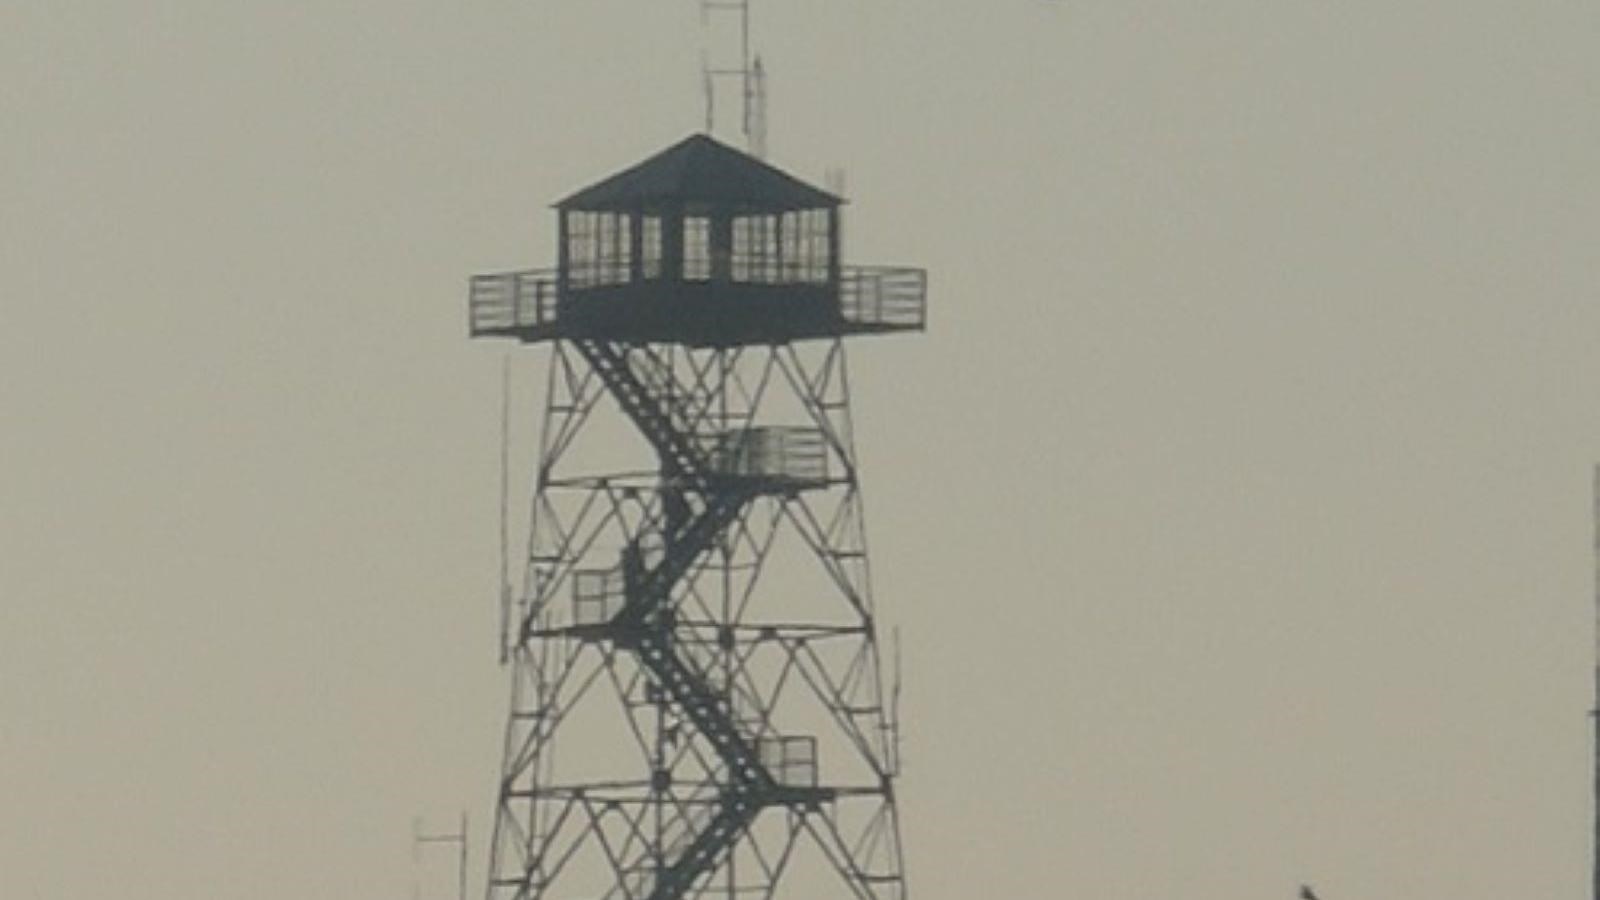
(698, 702)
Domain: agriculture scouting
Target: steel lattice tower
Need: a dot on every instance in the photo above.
(697, 702)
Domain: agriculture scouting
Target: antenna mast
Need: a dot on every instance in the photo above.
(749, 72)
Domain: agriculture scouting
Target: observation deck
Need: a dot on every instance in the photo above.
(699, 245)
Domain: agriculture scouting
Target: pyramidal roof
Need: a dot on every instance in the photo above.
(699, 169)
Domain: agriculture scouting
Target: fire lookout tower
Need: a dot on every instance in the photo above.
(698, 702)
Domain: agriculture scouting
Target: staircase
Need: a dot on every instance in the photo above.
(701, 504)
(648, 394)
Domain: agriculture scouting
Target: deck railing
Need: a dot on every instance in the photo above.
(792, 760)
(884, 295)
(506, 301)
(598, 595)
(780, 452)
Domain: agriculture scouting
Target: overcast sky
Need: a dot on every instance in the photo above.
(1235, 508)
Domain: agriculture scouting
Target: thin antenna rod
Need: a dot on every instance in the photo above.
(744, 60)
(505, 508)
(756, 109)
(709, 86)
(1594, 714)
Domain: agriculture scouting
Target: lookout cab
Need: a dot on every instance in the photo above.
(701, 245)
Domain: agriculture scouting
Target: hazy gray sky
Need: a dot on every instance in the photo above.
(1234, 509)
